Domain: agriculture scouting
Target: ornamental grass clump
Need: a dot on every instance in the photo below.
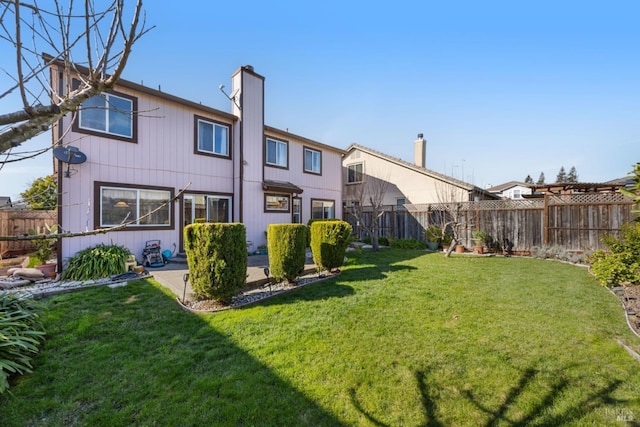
(287, 250)
(329, 240)
(217, 259)
(97, 262)
(21, 335)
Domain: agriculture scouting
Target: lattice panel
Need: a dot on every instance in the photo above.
(588, 199)
(483, 205)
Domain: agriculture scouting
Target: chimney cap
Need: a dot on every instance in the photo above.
(420, 136)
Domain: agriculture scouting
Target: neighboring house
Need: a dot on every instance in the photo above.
(145, 148)
(408, 183)
(511, 190)
(5, 202)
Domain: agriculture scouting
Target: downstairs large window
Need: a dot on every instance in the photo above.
(138, 207)
(323, 209)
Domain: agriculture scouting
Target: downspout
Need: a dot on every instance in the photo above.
(56, 141)
(241, 149)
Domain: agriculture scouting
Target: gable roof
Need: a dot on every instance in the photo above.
(191, 104)
(423, 171)
(507, 185)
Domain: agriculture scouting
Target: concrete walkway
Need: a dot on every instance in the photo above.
(171, 275)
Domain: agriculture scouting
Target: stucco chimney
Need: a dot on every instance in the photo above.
(420, 151)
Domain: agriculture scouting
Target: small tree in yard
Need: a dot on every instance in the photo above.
(329, 240)
(287, 250)
(365, 203)
(448, 213)
(217, 259)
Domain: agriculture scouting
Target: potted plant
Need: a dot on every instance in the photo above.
(433, 234)
(481, 239)
(44, 249)
(262, 250)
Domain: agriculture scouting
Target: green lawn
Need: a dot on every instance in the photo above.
(399, 338)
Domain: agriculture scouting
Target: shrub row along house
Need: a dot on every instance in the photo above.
(162, 162)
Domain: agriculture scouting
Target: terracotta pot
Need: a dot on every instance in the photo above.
(478, 250)
(459, 249)
(49, 270)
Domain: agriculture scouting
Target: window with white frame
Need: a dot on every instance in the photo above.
(108, 113)
(276, 153)
(354, 173)
(143, 207)
(312, 161)
(276, 202)
(323, 209)
(212, 137)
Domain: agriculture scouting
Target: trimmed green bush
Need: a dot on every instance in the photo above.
(408, 244)
(20, 336)
(329, 240)
(217, 259)
(97, 262)
(287, 250)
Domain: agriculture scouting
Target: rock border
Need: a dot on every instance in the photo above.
(259, 294)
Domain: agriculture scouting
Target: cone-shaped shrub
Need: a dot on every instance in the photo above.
(329, 240)
(217, 259)
(286, 244)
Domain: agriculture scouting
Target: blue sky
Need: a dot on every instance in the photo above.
(499, 89)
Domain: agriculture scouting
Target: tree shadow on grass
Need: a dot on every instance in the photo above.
(131, 356)
(599, 398)
(537, 413)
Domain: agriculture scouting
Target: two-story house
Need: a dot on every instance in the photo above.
(159, 162)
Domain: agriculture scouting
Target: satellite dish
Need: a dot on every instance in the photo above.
(71, 155)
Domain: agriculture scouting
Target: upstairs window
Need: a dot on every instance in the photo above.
(212, 137)
(277, 153)
(312, 161)
(354, 173)
(109, 114)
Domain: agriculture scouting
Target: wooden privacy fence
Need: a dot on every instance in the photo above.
(19, 222)
(573, 221)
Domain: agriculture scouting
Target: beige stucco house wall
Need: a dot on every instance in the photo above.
(408, 183)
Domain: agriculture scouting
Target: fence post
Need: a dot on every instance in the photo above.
(545, 221)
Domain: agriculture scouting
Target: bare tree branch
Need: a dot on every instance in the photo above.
(365, 204)
(100, 74)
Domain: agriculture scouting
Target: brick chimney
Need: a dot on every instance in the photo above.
(420, 151)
